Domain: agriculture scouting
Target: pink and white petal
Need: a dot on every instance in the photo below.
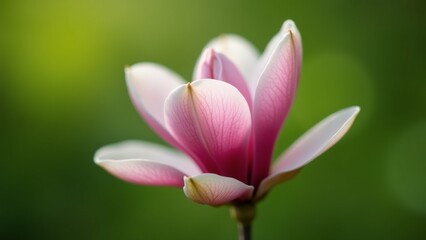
(240, 51)
(149, 84)
(133, 149)
(272, 180)
(317, 140)
(215, 65)
(146, 163)
(144, 172)
(313, 143)
(152, 83)
(212, 120)
(290, 26)
(287, 26)
(274, 97)
(215, 190)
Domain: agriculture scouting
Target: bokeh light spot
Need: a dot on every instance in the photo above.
(407, 168)
(331, 82)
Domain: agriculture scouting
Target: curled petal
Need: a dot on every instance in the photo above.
(313, 143)
(215, 190)
(274, 97)
(146, 163)
(215, 65)
(149, 84)
(212, 120)
(240, 51)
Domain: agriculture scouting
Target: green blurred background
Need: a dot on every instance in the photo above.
(63, 95)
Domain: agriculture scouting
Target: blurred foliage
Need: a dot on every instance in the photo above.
(62, 96)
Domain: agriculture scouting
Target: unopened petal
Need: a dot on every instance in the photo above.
(212, 120)
(290, 26)
(149, 84)
(240, 51)
(215, 190)
(274, 97)
(313, 143)
(287, 26)
(146, 163)
(215, 65)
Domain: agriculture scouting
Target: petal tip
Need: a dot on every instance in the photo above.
(356, 109)
(289, 25)
(210, 51)
(97, 161)
(350, 112)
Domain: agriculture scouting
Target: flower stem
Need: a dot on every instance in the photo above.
(245, 231)
(244, 215)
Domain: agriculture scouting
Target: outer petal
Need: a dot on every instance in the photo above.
(313, 143)
(215, 65)
(216, 190)
(317, 140)
(212, 120)
(149, 84)
(240, 51)
(274, 97)
(146, 163)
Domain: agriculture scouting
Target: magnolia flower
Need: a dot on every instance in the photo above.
(224, 123)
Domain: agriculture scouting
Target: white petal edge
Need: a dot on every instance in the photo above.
(216, 190)
(144, 157)
(150, 84)
(309, 146)
(144, 172)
